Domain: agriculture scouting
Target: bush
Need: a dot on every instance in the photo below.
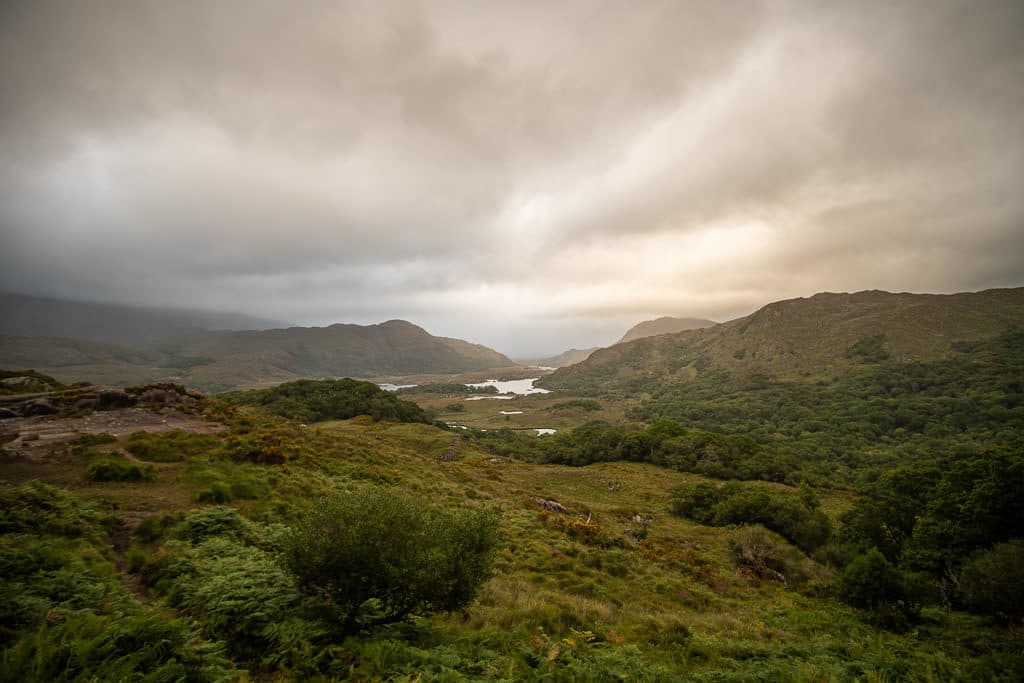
(115, 470)
(755, 549)
(796, 516)
(378, 555)
(213, 521)
(870, 581)
(992, 581)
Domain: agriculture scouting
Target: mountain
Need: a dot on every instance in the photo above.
(819, 337)
(215, 361)
(570, 357)
(664, 325)
(32, 316)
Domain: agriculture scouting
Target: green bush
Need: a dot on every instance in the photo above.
(794, 515)
(205, 523)
(379, 555)
(870, 581)
(992, 581)
(118, 470)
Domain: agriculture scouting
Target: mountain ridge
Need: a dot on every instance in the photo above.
(805, 337)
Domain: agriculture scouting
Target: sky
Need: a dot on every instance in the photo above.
(530, 175)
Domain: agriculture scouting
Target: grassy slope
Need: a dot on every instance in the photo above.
(801, 339)
(675, 604)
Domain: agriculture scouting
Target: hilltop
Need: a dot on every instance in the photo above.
(664, 325)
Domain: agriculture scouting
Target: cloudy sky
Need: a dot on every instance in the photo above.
(528, 175)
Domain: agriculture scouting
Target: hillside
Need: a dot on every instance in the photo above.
(155, 537)
(807, 338)
(570, 357)
(215, 361)
(664, 325)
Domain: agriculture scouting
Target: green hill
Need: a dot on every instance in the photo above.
(215, 361)
(813, 338)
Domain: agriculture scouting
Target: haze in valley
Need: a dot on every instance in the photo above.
(532, 176)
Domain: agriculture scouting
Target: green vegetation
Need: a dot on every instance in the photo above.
(796, 518)
(587, 404)
(378, 556)
(850, 429)
(319, 400)
(172, 446)
(118, 470)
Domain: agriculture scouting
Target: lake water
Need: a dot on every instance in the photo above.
(522, 387)
(388, 386)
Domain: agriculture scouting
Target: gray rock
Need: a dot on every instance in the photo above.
(552, 506)
(39, 406)
(86, 403)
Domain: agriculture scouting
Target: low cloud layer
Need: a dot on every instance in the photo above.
(528, 175)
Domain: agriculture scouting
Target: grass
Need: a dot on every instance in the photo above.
(564, 603)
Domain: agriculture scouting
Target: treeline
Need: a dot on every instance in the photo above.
(319, 400)
(665, 443)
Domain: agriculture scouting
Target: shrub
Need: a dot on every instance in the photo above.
(755, 549)
(213, 521)
(870, 581)
(115, 470)
(379, 555)
(992, 581)
(793, 515)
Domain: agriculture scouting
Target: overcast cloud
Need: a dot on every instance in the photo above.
(528, 175)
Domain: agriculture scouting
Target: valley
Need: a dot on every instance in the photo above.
(659, 512)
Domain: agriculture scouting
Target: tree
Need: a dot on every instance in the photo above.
(377, 555)
(870, 581)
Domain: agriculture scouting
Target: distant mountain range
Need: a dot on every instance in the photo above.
(647, 328)
(31, 316)
(664, 325)
(570, 357)
(124, 345)
(806, 338)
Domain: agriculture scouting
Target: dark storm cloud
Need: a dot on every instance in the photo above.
(494, 170)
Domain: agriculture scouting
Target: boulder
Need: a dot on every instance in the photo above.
(39, 406)
(552, 506)
(110, 399)
(88, 403)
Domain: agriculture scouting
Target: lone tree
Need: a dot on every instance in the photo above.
(378, 555)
